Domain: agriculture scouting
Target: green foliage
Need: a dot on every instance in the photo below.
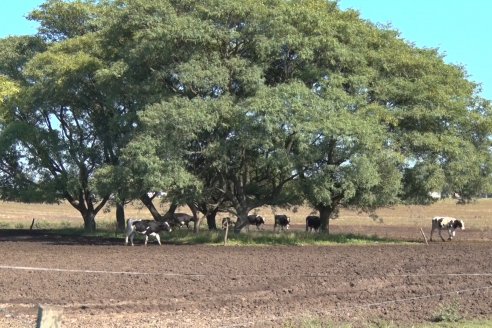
(448, 313)
(7, 88)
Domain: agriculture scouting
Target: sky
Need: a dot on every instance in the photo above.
(459, 29)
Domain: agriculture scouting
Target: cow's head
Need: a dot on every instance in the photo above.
(260, 219)
(459, 224)
(165, 226)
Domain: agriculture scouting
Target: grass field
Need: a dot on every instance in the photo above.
(478, 213)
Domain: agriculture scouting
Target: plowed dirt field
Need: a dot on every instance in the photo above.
(101, 283)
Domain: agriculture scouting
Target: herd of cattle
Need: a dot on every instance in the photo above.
(281, 221)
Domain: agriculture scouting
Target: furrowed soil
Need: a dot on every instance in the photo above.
(101, 283)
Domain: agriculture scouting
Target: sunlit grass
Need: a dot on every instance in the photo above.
(255, 238)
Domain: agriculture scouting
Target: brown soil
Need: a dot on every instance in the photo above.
(101, 283)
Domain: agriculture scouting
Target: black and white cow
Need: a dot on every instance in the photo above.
(145, 227)
(446, 223)
(227, 221)
(183, 219)
(256, 220)
(313, 222)
(281, 220)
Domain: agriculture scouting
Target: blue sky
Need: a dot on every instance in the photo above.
(458, 28)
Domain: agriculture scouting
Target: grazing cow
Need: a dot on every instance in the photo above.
(145, 227)
(256, 220)
(313, 222)
(446, 223)
(227, 221)
(281, 220)
(183, 219)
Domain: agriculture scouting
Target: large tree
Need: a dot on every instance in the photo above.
(60, 125)
(269, 95)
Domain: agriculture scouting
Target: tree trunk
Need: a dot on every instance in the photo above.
(325, 213)
(212, 224)
(210, 214)
(242, 217)
(84, 203)
(196, 220)
(147, 201)
(89, 221)
(120, 216)
(169, 216)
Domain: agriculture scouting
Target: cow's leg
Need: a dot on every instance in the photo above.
(158, 238)
(131, 237)
(126, 240)
(432, 231)
(146, 239)
(440, 234)
(451, 234)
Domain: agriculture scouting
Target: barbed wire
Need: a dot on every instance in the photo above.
(307, 275)
(359, 306)
(249, 322)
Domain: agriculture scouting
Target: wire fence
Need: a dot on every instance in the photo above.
(326, 311)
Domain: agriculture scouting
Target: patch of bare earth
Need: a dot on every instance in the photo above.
(101, 283)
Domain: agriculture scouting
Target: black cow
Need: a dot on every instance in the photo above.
(313, 222)
(256, 220)
(145, 227)
(227, 221)
(182, 219)
(281, 220)
(446, 223)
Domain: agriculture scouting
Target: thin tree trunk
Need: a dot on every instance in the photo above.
(196, 220)
(120, 216)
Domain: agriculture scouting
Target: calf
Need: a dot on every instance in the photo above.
(313, 222)
(227, 221)
(282, 221)
(183, 219)
(446, 223)
(145, 227)
(256, 220)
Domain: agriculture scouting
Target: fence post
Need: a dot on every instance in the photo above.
(226, 232)
(423, 234)
(49, 317)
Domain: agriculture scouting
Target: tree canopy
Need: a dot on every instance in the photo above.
(233, 105)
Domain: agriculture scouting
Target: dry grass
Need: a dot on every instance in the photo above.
(479, 214)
